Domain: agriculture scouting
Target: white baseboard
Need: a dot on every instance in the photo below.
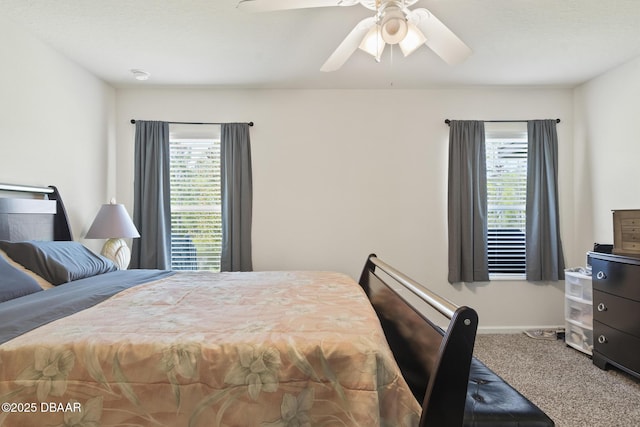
(514, 329)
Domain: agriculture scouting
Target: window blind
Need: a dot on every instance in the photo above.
(196, 219)
(506, 150)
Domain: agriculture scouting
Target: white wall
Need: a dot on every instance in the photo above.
(607, 146)
(339, 174)
(56, 126)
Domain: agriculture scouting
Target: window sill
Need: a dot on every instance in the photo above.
(512, 277)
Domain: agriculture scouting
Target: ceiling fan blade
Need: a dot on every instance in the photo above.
(440, 38)
(272, 5)
(348, 45)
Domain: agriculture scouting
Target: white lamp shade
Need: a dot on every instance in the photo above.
(413, 40)
(372, 43)
(112, 221)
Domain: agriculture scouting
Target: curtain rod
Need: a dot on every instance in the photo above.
(447, 121)
(133, 121)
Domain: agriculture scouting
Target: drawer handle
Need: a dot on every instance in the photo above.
(601, 275)
(602, 339)
(602, 307)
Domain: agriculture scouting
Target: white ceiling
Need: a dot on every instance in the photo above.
(212, 43)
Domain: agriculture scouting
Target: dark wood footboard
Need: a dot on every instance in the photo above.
(434, 361)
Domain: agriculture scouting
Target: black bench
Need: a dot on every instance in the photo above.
(456, 388)
(492, 402)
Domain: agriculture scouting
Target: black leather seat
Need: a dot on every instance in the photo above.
(492, 402)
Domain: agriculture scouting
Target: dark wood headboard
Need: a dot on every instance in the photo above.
(435, 362)
(32, 213)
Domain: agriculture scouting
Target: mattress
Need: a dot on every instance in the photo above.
(210, 349)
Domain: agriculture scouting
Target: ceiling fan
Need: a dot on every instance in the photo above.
(393, 23)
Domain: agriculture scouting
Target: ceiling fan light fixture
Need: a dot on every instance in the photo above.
(394, 25)
(373, 43)
(413, 40)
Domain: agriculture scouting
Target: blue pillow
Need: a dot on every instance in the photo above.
(15, 283)
(58, 262)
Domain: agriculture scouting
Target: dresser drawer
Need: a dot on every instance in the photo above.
(615, 345)
(616, 278)
(619, 313)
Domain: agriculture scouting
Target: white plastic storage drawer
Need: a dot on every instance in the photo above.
(579, 338)
(579, 311)
(578, 285)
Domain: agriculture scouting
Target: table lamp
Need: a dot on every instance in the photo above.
(113, 223)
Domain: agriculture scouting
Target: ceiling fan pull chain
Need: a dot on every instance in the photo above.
(391, 69)
(379, 42)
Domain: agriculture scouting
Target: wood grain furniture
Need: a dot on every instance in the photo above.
(429, 358)
(616, 311)
(626, 232)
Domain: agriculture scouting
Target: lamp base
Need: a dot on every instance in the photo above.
(117, 251)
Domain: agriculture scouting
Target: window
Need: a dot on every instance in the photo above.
(196, 218)
(506, 150)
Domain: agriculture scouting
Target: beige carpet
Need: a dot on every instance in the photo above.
(562, 381)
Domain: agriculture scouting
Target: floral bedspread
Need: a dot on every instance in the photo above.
(206, 349)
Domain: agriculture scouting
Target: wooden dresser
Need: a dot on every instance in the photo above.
(616, 311)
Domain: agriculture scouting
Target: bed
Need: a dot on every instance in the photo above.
(92, 345)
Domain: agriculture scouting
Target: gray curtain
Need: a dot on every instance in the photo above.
(237, 195)
(151, 205)
(545, 260)
(467, 202)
